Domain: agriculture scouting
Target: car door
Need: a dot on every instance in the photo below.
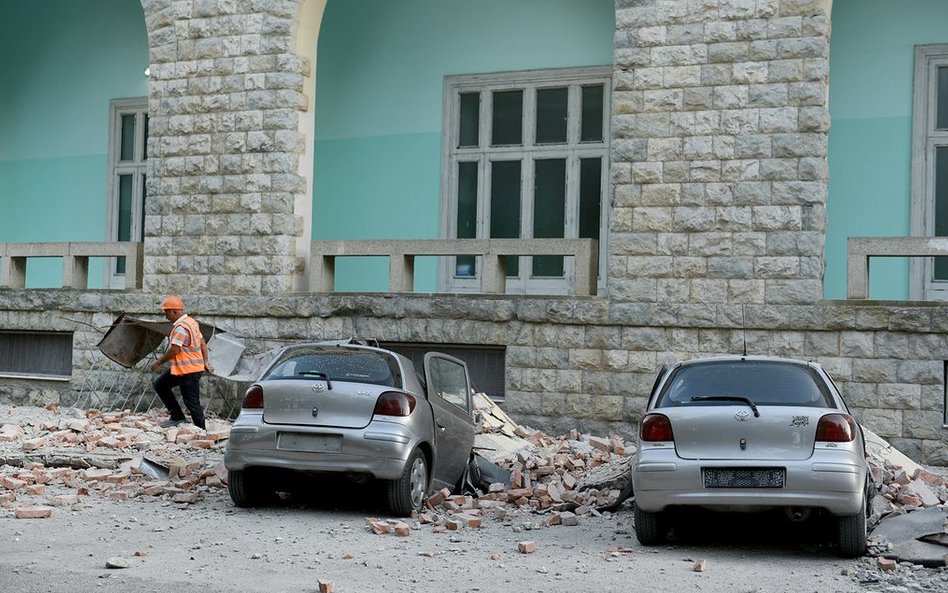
(449, 392)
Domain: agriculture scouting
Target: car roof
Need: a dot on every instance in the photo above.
(748, 358)
(405, 362)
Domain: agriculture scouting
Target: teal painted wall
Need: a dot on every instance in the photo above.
(871, 70)
(61, 61)
(379, 76)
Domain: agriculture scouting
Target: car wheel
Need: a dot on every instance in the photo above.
(407, 493)
(245, 489)
(852, 533)
(648, 527)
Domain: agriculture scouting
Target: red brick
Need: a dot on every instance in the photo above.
(402, 529)
(886, 564)
(35, 489)
(326, 586)
(64, 500)
(379, 527)
(11, 483)
(34, 444)
(527, 547)
(33, 512)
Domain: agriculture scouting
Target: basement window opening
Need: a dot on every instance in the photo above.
(36, 355)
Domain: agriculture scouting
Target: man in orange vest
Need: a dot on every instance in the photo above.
(187, 353)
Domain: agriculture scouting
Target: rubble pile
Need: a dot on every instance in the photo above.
(58, 459)
(561, 478)
(903, 485)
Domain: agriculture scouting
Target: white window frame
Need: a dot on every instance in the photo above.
(137, 106)
(573, 150)
(925, 139)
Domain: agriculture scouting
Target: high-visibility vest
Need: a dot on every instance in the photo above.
(189, 358)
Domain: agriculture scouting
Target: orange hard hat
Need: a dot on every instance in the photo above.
(172, 303)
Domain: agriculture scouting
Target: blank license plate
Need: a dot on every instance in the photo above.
(725, 477)
(311, 443)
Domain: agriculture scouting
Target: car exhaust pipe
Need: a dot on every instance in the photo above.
(798, 514)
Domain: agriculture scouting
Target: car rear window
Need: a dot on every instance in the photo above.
(766, 383)
(339, 364)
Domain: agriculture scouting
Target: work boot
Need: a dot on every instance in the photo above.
(170, 422)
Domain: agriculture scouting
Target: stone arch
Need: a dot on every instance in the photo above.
(307, 34)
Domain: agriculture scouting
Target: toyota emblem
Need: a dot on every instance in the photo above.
(743, 416)
(317, 387)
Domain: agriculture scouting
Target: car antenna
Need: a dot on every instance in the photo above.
(744, 329)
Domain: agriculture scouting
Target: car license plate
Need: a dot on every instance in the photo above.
(310, 443)
(739, 477)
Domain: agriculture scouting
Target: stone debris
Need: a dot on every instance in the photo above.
(700, 565)
(56, 458)
(118, 562)
(527, 547)
(326, 586)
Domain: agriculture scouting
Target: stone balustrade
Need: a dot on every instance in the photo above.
(860, 249)
(75, 256)
(493, 254)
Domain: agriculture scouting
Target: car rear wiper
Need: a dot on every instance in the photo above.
(728, 398)
(318, 374)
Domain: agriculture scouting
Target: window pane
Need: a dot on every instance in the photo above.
(124, 216)
(508, 118)
(505, 206)
(941, 207)
(592, 114)
(549, 212)
(127, 151)
(590, 197)
(145, 138)
(470, 118)
(467, 214)
(551, 115)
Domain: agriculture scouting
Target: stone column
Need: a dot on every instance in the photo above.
(719, 163)
(227, 92)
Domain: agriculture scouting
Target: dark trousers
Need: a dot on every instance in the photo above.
(190, 386)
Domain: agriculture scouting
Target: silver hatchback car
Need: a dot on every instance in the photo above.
(356, 410)
(748, 434)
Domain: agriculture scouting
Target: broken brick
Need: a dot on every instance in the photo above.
(33, 512)
(64, 500)
(402, 529)
(326, 586)
(527, 547)
(886, 564)
(11, 483)
(700, 565)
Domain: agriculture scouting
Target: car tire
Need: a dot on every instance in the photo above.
(852, 533)
(244, 488)
(407, 492)
(648, 527)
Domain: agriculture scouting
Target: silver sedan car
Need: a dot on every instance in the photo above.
(749, 434)
(355, 410)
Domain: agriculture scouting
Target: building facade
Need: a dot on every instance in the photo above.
(716, 155)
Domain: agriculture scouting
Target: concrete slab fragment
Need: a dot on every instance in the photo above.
(905, 533)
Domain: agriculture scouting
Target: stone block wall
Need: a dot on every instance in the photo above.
(569, 363)
(224, 148)
(719, 162)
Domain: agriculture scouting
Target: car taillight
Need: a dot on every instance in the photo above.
(836, 428)
(253, 399)
(656, 427)
(394, 403)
